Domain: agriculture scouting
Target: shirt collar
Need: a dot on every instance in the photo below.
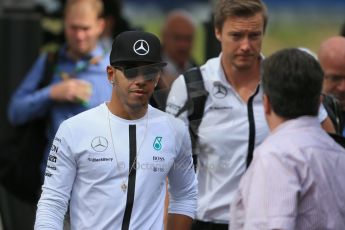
(297, 123)
(220, 72)
(99, 50)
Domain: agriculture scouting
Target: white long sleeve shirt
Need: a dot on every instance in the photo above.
(83, 170)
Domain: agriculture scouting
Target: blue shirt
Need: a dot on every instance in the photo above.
(28, 102)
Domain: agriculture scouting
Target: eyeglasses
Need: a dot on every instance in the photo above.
(335, 78)
(149, 72)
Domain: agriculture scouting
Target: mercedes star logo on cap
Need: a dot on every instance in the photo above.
(99, 144)
(141, 47)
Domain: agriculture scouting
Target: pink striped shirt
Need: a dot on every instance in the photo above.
(296, 181)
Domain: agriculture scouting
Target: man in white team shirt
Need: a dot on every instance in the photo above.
(296, 178)
(233, 121)
(111, 162)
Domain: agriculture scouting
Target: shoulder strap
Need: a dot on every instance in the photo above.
(49, 68)
(338, 138)
(195, 103)
(196, 94)
(332, 107)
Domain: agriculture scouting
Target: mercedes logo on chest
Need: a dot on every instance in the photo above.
(141, 47)
(99, 144)
(219, 90)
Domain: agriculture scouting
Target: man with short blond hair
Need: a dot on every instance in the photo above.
(233, 121)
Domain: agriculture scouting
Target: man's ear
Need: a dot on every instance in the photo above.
(101, 25)
(267, 105)
(110, 73)
(218, 34)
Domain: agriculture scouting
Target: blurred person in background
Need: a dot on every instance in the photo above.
(296, 178)
(178, 33)
(331, 56)
(77, 82)
(177, 36)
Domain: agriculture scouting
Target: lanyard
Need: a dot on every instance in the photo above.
(79, 68)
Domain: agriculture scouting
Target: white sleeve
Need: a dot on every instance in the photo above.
(182, 181)
(59, 177)
(177, 99)
(322, 115)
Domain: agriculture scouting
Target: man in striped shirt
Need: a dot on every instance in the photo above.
(296, 178)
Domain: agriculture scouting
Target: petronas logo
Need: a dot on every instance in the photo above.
(157, 145)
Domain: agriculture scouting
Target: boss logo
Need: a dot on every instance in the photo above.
(158, 159)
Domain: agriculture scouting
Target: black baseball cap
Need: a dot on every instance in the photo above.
(132, 47)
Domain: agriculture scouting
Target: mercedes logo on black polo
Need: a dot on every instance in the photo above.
(141, 47)
(219, 90)
(99, 144)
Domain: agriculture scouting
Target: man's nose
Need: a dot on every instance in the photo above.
(140, 79)
(79, 33)
(341, 85)
(245, 44)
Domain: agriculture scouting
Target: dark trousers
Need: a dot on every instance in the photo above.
(201, 225)
(16, 214)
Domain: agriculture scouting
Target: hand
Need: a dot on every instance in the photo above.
(71, 90)
(179, 222)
